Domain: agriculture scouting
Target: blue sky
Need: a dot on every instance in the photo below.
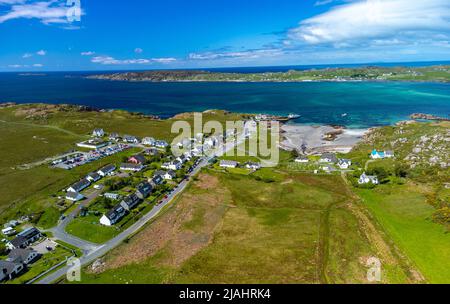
(43, 35)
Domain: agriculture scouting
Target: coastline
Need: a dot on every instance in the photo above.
(312, 139)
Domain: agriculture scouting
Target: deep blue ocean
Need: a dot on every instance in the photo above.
(365, 103)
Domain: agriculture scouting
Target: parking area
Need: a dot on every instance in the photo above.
(42, 246)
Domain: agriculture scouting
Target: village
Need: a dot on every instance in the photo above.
(117, 195)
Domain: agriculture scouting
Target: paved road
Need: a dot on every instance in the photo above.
(60, 233)
(95, 253)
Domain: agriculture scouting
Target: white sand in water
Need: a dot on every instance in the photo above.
(311, 137)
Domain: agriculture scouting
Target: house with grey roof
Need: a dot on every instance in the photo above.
(228, 164)
(106, 170)
(10, 270)
(93, 177)
(24, 256)
(113, 216)
(79, 186)
(131, 167)
(74, 196)
(344, 163)
(328, 158)
(130, 202)
(143, 190)
(366, 179)
(24, 238)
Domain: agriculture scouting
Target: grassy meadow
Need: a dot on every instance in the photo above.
(295, 229)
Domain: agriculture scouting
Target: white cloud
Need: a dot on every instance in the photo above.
(247, 54)
(138, 50)
(374, 19)
(88, 53)
(38, 65)
(108, 60)
(41, 53)
(48, 12)
(16, 66)
(164, 60)
(27, 55)
(9, 2)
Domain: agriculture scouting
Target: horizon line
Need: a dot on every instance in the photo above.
(324, 65)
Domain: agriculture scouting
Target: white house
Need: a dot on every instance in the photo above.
(148, 141)
(131, 139)
(8, 231)
(112, 196)
(228, 164)
(74, 196)
(169, 175)
(22, 256)
(366, 179)
(328, 158)
(344, 163)
(389, 154)
(98, 133)
(93, 177)
(131, 167)
(113, 216)
(377, 154)
(9, 270)
(79, 186)
(253, 166)
(302, 159)
(175, 165)
(105, 171)
(161, 144)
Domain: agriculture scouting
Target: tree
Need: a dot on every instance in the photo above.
(401, 171)
(3, 249)
(381, 173)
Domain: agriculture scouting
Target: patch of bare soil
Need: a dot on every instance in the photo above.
(181, 232)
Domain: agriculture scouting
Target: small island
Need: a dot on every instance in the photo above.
(440, 73)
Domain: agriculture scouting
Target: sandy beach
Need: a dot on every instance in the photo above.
(312, 138)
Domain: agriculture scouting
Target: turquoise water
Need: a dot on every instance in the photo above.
(366, 103)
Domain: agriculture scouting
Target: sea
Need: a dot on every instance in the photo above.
(350, 104)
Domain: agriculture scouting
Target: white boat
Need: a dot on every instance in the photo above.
(344, 115)
(293, 116)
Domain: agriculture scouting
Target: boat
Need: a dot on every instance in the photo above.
(293, 116)
(344, 115)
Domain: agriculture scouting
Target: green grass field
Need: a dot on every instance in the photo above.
(295, 229)
(89, 228)
(406, 216)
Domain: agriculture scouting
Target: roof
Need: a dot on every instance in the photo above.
(131, 200)
(139, 157)
(29, 233)
(73, 195)
(94, 175)
(19, 255)
(330, 156)
(131, 166)
(344, 160)
(229, 162)
(160, 173)
(144, 188)
(171, 172)
(18, 241)
(115, 212)
(108, 168)
(80, 185)
(8, 266)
